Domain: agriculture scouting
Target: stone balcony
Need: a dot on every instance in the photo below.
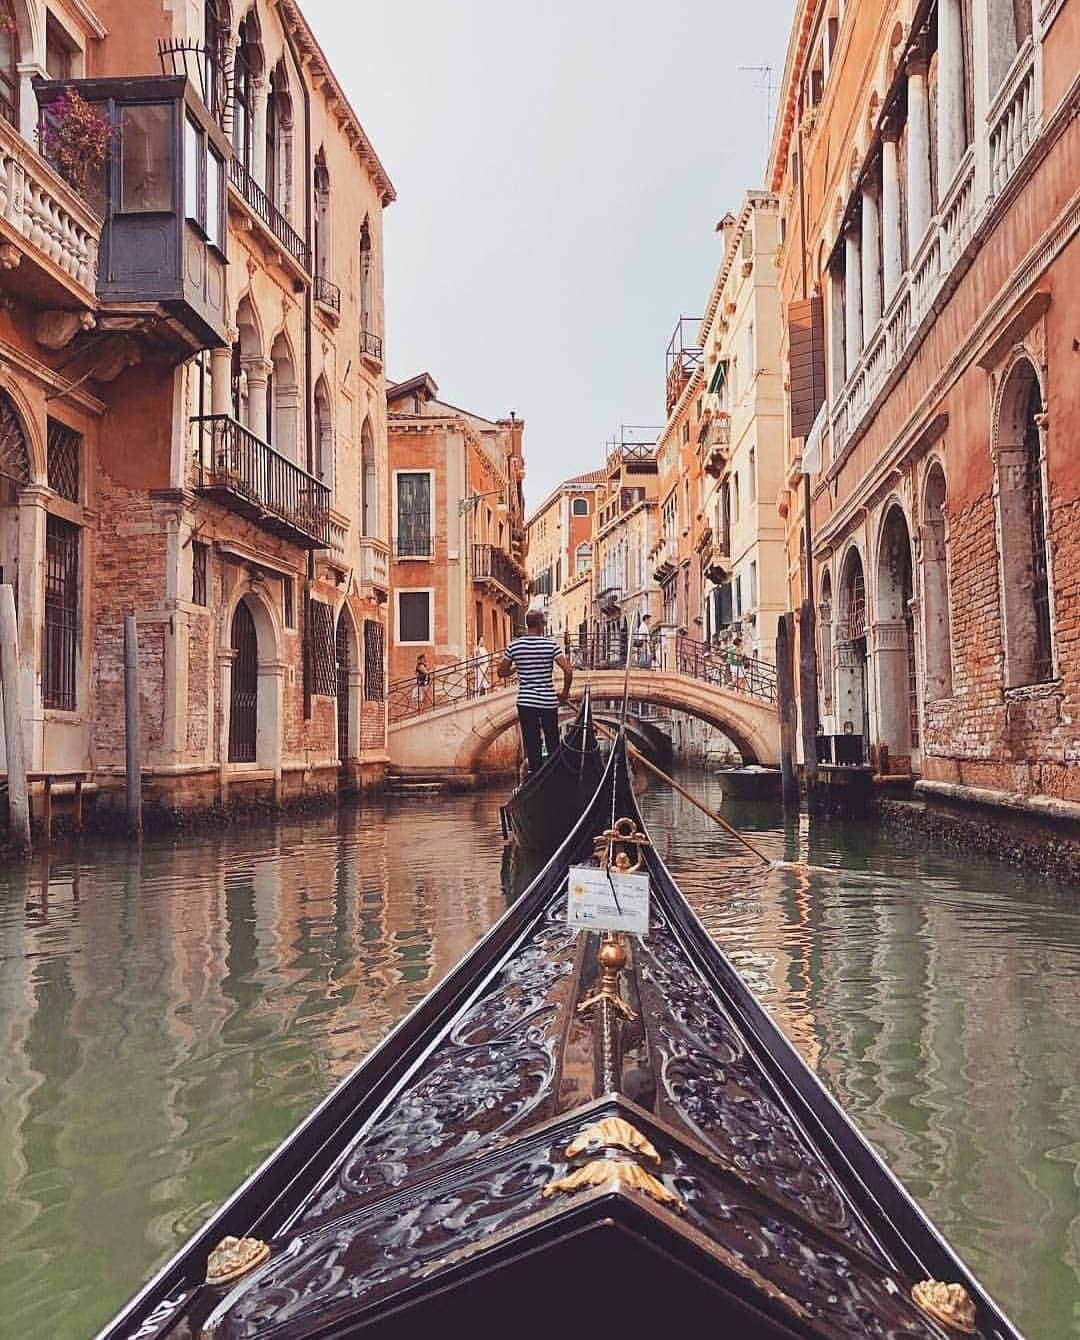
(45, 224)
(374, 563)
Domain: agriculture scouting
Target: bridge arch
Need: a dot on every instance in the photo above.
(751, 726)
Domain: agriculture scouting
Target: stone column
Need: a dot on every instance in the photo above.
(891, 657)
(918, 155)
(871, 266)
(257, 369)
(852, 299)
(950, 92)
(221, 381)
(29, 115)
(225, 668)
(31, 594)
(269, 725)
(892, 263)
(837, 366)
(258, 130)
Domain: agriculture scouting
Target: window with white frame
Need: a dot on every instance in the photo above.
(413, 518)
(414, 618)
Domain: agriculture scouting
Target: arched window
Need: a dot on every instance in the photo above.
(825, 632)
(369, 484)
(285, 401)
(279, 129)
(9, 63)
(215, 42)
(324, 435)
(580, 507)
(1025, 568)
(247, 64)
(937, 638)
(323, 265)
(897, 677)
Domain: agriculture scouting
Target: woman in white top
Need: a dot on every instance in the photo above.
(481, 666)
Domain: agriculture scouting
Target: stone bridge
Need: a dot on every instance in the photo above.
(453, 739)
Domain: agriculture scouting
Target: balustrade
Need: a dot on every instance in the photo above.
(1012, 120)
(46, 212)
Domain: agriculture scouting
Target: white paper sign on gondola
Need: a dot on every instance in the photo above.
(605, 900)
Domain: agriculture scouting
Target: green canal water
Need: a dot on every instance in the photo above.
(169, 1013)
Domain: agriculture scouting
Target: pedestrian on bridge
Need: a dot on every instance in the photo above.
(534, 657)
(481, 662)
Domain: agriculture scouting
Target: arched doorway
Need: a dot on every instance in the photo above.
(894, 641)
(825, 635)
(852, 706)
(244, 698)
(937, 632)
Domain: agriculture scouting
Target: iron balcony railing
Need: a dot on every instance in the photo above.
(327, 293)
(260, 203)
(250, 477)
(492, 564)
(721, 668)
(371, 345)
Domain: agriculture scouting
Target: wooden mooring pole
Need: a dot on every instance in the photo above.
(18, 791)
(131, 725)
(785, 701)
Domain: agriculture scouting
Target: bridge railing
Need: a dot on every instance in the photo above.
(463, 680)
(445, 684)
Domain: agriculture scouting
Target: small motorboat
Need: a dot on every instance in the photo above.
(749, 782)
(576, 1133)
(545, 807)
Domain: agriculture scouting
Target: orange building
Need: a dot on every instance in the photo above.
(926, 160)
(457, 572)
(674, 557)
(560, 535)
(193, 398)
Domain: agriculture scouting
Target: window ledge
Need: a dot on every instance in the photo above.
(1025, 693)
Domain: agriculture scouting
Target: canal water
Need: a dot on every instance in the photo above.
(168, 1014)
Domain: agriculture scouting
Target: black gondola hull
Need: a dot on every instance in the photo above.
(428, 1189)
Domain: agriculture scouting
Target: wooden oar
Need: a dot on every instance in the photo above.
(730, 828)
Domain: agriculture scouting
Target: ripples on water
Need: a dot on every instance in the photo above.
(168, 1015)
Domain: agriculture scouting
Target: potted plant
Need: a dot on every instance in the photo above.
(75, 138)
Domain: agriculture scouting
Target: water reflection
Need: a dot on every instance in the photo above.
(168, 1013)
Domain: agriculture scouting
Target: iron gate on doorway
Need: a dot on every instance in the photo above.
(342, 652)
(244, 705)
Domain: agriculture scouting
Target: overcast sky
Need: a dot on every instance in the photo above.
(560, 169)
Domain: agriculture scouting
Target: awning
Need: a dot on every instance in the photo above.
(718, 377)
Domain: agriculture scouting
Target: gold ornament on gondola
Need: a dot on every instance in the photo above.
(613, 847)
(948, 1303)
(232, 1258)
(612, 1133)
(617, 1173)
(610, 959)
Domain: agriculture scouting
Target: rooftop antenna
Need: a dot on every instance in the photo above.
(765, 76)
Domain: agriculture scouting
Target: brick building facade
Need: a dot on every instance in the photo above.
(926, 159)
(560, 546)
(457, 572)
(194, 411)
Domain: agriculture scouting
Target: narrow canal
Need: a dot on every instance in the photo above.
(167, 1015)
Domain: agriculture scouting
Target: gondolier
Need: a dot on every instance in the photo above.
(534, 657)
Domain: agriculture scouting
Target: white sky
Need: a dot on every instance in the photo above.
(560, 168)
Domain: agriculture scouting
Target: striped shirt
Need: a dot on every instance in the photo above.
(534, 660)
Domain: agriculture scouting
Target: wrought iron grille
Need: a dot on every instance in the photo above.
(324, 678)
(61, 614)
(64, 447)
(374, 663)
(343, 668)
(261, 204)
(1040, 574)
(327, 293)
(244, 700)
(200, 593)
(371, 345)
(14, 456)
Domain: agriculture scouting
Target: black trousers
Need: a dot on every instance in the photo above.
(533, 720)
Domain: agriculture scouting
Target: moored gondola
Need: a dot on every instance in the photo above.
(574, 1134)
(541, 812)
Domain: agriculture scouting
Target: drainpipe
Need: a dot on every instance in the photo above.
(308, 385)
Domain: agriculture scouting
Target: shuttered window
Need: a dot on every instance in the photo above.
(806, 363)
